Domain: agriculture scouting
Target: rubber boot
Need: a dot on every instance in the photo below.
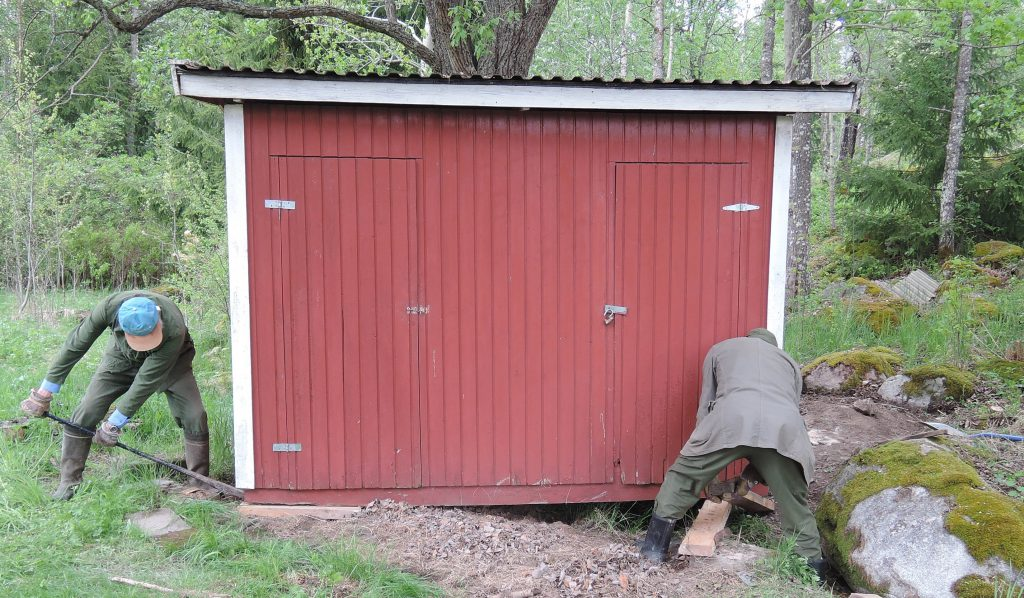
(820, 566)
(74, 452)
(659, 535)
(197, 456)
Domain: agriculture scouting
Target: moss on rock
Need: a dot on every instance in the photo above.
(964, 269)
(989, 524)
(959, 383)
(870, 287)
(974, 586)
(879, 359)
(983, 308)
(997, 252)
(881, 314)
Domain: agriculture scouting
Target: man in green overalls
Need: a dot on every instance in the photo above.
(150, 351)
(749, 408)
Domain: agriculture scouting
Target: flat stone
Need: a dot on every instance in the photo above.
(865, 406)
(162, 524)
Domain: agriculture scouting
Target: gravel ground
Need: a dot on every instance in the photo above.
(532, 551)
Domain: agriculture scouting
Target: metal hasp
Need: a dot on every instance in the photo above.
(280, 204)
(417, 309)
(741, 207)
(281, 447)
(610, 311)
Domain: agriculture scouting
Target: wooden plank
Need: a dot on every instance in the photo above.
(751, 501)
(316, 512)
(707, 529)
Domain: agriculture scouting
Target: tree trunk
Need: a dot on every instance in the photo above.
(658, 68)
(671, 49)
(797, 40)
(954, 146)
(623, 45)
(768, 45)
(133, 84)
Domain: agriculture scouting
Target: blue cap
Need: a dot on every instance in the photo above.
(138, 316)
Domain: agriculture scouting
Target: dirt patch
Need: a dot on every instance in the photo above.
(515, 551)
(839, 431)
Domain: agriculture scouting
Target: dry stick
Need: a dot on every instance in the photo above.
(156, 588)
(142, 584)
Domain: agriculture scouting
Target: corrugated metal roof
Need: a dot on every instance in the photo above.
(532, 80)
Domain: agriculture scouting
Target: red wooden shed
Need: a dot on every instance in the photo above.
(479, 291)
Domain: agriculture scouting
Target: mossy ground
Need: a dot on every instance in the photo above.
(880, 359)
(959, 382)
(1010, 371)
(882, 314)
(990, 524)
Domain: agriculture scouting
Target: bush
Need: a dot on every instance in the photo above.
(110, 257)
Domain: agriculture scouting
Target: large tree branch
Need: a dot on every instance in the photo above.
(146, 15)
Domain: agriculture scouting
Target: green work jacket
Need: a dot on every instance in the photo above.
(152, 367)
(750, 396)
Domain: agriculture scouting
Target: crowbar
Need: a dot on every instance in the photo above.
(219, 486)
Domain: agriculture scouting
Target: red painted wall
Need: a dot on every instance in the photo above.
(509, 231)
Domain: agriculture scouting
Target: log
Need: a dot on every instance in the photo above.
(316, 512)
(707, 529)
(142, 584)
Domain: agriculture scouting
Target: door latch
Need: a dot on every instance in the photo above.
(610, 311)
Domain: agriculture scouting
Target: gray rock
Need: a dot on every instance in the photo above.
(903, 547)
(162, 524)
(865, 406)
(933, 390)
(826, 378)
(896, 520)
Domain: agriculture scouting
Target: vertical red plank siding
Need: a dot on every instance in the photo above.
(510, 230)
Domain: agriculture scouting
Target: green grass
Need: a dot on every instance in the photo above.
(950, 331)
(56, 549)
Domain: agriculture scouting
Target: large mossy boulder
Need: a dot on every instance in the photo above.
(928, 386)
(912, 520)
(846, 370)
(997, 252)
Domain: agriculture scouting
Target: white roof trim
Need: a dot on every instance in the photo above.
(739, 98)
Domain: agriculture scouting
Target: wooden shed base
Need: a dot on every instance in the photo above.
(458, 496)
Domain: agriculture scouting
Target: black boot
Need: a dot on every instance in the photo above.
(197, 456)
(74, 452)
(820, 566)
(659, 534)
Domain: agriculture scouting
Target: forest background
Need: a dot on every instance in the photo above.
(107, 180)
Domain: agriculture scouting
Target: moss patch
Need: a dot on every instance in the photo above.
(983, 307)
(974, 586)
(880, 359)
(963, 269)
(882, 314)
(870, 287)
(1010, 371)
(990, 524)
(959, 383)
(996, 252)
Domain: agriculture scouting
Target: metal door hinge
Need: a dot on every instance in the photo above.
(417, 309)
(280, 204)
(741, 207)
(282, 447)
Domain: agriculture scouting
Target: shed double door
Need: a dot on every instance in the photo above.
(398, 348)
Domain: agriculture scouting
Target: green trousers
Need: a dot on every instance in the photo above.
(109, 383)
(689, 475)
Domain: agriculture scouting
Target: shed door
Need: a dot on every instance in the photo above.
(678, 271)
(335, 367)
